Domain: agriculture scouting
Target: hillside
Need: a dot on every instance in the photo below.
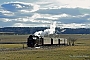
(32, 30)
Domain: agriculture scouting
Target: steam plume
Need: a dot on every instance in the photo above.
(47, 31)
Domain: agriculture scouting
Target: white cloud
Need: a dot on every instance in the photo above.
(17, 6)
(62, 15)
(73, 25)
(43, 12)
(35, 16)
(55, 17)
(29, 25)
(7, 13)
(35, 8)
(18, 25)
(88, 19)
(24, 11)
(5, 20)
(70, 3)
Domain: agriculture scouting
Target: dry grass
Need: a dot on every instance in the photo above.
(13, 38)
(60, 53)
(79, 52)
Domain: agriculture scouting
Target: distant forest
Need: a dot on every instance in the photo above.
(32, 30)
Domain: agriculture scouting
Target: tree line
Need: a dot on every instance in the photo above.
(32, 30)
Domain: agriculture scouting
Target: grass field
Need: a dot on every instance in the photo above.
(81, 50)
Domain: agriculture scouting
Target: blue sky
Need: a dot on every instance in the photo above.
(41, 13)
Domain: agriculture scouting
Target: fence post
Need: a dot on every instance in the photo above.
(51, 41)
(23, 45)
(42, 41)
(59, 42)
(64, 41)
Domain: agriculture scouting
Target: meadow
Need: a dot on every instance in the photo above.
(81, 50)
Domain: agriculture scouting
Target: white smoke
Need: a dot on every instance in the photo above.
(47, 31)
(63, 30)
